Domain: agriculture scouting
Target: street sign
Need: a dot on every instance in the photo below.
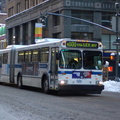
(116, 43)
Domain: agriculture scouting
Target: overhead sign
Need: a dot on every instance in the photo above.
(116, 43)
(75, 44)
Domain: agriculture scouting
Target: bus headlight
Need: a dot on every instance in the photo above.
(63, 82)
(100, 83)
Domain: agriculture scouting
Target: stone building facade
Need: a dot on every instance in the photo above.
(23, 14)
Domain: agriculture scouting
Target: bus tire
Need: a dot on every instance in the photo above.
(45, 85)
(19, 82)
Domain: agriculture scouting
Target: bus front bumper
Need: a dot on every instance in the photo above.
(84, 89)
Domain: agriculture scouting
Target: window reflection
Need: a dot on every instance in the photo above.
(70, 59)
(92, 60)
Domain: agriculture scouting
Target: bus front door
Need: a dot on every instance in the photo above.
(54, 68)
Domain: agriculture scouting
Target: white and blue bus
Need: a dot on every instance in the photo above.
(62, 65)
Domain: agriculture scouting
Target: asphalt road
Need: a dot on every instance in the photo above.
(32, 104)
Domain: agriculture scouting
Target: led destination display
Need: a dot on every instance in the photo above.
(75, 44)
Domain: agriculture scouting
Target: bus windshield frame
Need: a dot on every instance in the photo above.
(92, 60)
(70, 59)
(76, 59)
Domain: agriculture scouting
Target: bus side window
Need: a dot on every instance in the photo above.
(35, 55)
(0, 59)
(57, 58)
(44, 54)
(20, 56)
(28, 56)
(5, 58)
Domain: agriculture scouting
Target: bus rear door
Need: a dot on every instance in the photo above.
(54, 68)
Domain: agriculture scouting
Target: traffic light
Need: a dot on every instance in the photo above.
(43, 19)
(112, 57)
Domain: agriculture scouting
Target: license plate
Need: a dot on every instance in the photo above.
(79, 81)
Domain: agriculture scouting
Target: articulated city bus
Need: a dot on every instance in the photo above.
(62, 65)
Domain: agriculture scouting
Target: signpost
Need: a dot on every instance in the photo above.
(116, 28)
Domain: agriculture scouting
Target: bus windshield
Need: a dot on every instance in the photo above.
(92, 60)
(70, 59)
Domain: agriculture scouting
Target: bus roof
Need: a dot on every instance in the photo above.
(46, 41)
(14, 46)
(51, 40)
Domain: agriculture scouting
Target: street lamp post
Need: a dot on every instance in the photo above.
(117, 6)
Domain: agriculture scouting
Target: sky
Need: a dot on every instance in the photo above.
(112, 86)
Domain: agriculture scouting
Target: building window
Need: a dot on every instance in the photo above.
(108, 40)
(57, 35)
(82, 15)
(26, 4)
(56, 20)
(33, 2)
(18, 7)
(106, 19)
(37, 1)
(10, 11)
(80, 35)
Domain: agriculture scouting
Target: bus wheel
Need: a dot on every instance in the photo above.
(19, 82)
(46, 85)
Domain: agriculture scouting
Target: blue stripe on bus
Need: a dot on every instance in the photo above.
(18, 66)
(94, 73)
(70, 72)
(67, 72)
(43, 65)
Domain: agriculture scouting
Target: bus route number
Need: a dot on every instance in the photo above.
(81, 44)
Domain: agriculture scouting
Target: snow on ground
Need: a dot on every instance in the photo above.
(112, 86)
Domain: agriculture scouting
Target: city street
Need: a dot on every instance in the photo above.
(32, 104)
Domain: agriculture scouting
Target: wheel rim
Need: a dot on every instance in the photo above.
(19, 82)
(46, 86)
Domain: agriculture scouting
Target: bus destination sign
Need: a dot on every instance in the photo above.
(74, 44)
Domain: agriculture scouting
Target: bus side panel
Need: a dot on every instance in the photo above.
(5, 67)
(0, 66)
(5, 73)
(32, 74)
